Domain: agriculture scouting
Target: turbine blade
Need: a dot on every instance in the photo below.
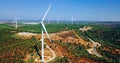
(46, 13)
(46, 31)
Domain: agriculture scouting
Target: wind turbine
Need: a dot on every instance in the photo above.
(44, 29)
(16, 22)
(72, 19)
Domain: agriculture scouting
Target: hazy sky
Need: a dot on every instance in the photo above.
(92, 10)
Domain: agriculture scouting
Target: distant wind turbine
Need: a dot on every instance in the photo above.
(44, 29)
(16, 22)
(72, 19)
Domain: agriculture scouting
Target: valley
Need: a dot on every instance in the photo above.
(68, 45)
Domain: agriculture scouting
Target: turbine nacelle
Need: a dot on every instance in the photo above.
(41, 22)
(43, 27)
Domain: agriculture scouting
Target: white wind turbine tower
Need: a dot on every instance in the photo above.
(72, 19)
(44, 29)
(16, 22)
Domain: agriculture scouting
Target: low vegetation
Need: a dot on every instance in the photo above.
(13, 49)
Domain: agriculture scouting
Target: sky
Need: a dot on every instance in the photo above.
(90, 10)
